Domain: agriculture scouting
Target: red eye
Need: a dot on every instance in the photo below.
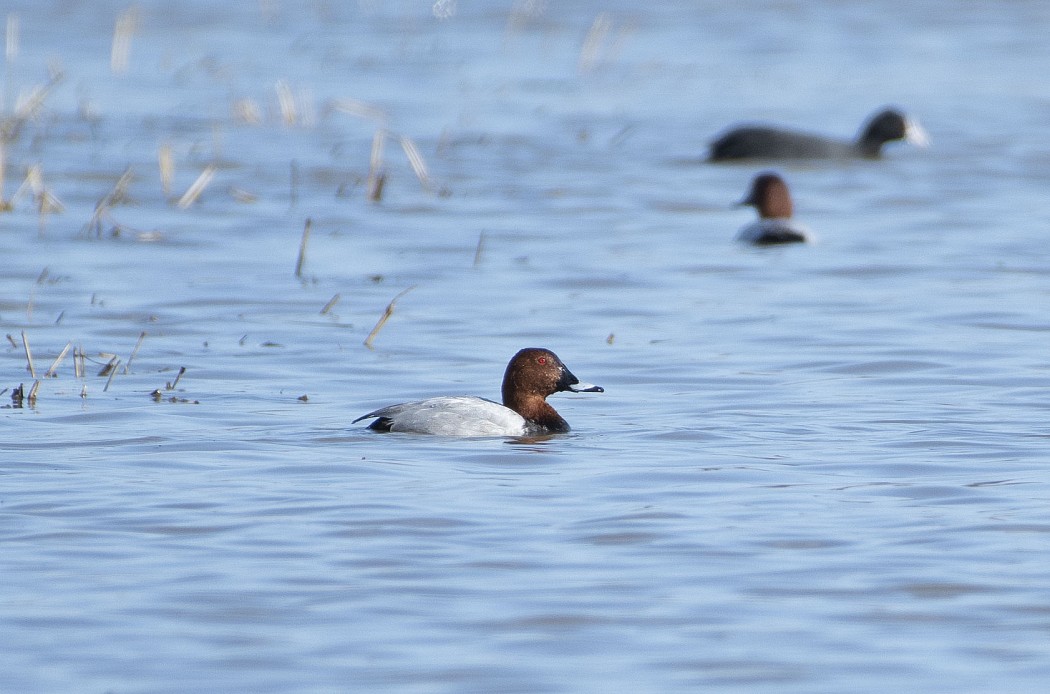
(541, 360)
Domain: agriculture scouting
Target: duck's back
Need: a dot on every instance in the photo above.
(458, 415)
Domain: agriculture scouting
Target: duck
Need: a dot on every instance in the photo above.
(774, 142)
(769, 195)
(532, 374)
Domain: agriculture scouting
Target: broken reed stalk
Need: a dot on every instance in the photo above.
(32, 393)
(125, 27)
(41, 278)
(11, 45)
(109, 365)
(416, 160)
(375, 187)
(127, 365)
(194, 191)
(385, 317)
(357, 108)
(330, 305)
(480, 247)
(78, 362)
(166, 165)
(376, 175)
(50, 373)
(119, 193)
(4, 205)
(29, 354)
(27, 108)
(46, 201)
(112, 366)
(286, 102)
(293, 183)
(302, 248)
(592, 44)
(173, 384)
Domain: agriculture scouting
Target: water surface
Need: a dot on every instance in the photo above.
(814, 469)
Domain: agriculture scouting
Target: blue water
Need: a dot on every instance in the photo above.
(814, 469)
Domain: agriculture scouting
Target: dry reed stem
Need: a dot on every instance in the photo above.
(241, 195)
(479, 248)
(307, 112)
(108, 366)
(40, 279)
(112, 366)
(247, 111)
(11, 44)
(78, 362)
(302, 248)
(389, 311)
(50, 373)
(29, 354)
(166, 165)
(194, 191)
(127, 22)
(592, 44)
(286, 102)
(127, 365)
(27, 107)
(34, 184)
(173, 384)
(293, 183)
(4, 206)
(32, 393)
(376, 176)
(375, 187)
(357, 108)
(119, 194)
(416, 160)
(330, 305)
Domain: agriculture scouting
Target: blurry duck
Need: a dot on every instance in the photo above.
(772, 142)
(769, 195)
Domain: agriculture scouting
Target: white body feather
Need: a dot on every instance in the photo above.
(457, 415)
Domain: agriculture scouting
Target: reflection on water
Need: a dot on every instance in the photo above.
(814, 468)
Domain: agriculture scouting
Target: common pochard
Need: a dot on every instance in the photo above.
(531, 376)
(774, 142)
(769, 195)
